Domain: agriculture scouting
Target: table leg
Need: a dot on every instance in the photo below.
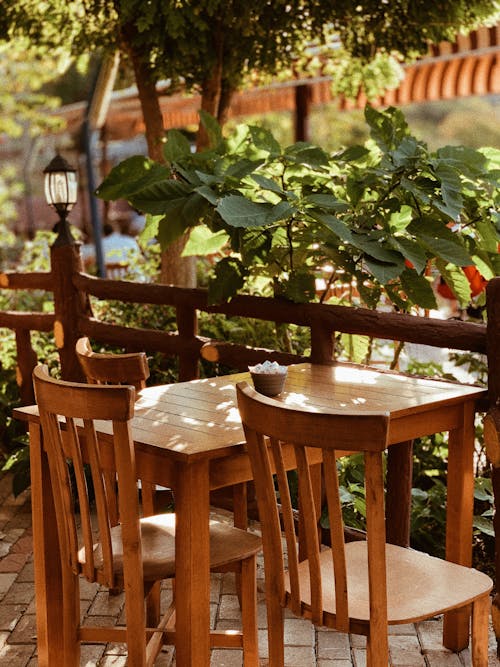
(398, 503)
(192, 555)
(47, 563)
(459, 517)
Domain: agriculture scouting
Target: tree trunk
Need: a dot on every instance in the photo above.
(175, 269)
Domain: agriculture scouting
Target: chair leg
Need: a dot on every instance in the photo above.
(275, 632)
(480, 617)
(377, 650)
(249, 612)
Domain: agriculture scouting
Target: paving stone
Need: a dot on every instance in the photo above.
(226, 658)
(24, 631)
(13, 562)
(10, 615)
(6, 581)
(19, 594)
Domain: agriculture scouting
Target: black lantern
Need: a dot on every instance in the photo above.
(60, 192)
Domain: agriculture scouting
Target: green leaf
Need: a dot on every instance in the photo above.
(176, 147)
(484, 525)
(451, 187)
(170, 229)
(382, 271)
(306, 154)
(162, 197)
(399, 220)
(355, 347)
(300, 287)
(418, 289)
(212, 128)
(130, 177)
(335, 225)
(325, 201)
(150, 230)
(206, 192)
(456, 280)
(238, 211)
(264, 140)
(440, 240)
(229, 277)
(242, 168)
(410, 251)
(353, 154)
(268, 184)
(204, 242)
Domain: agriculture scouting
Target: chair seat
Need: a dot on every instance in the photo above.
(228, 545)
(418, 585)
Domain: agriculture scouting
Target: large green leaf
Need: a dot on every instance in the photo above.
(212, 128)
(335, 225)
(162, 197)
(355, 347)
(264, 140)
(382, 271)
(418, 289)
(238, 211)
(410, 251)
(130, 177)
(268, 184)
(242, 168)
(440, 241)
(176, 147)
(325, 201)
(456, 280)
(204, 242)
(451, 187)
(170, 229)
(229, 277)
(300, 287)
(400, 220)
(306, 154)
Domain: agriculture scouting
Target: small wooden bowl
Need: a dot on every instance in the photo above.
(269, 384)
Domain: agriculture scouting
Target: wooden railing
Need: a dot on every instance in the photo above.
(72, 318)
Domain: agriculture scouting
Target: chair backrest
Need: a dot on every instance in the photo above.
(68, 412)
(268, 424)
(101, 368)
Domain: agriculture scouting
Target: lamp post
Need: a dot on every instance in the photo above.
(60, 193)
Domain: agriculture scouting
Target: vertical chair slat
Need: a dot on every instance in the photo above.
(310, 527)
(336, 539)
(288, 524)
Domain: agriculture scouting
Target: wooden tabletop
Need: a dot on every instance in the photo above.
(200, 418)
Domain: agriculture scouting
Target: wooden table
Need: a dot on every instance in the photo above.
(189, 437)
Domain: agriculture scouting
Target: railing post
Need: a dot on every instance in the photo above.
(322, 343)
(69, 303)
(187, 326)
(26, 362)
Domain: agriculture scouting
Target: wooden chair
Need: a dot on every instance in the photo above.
(344, 587)
(136, 553)
(108, 368)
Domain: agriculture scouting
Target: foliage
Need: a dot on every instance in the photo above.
(380, 213)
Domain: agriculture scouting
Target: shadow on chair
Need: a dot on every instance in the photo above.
(358, 587)
(136, 553)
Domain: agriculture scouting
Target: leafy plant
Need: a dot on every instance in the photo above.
(379, 213)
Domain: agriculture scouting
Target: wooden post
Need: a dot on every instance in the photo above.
(187, 325)
(322, 343)
(491, 427)
(69, 303)
(26, 362)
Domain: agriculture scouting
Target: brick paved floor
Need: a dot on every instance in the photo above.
(411, 646)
